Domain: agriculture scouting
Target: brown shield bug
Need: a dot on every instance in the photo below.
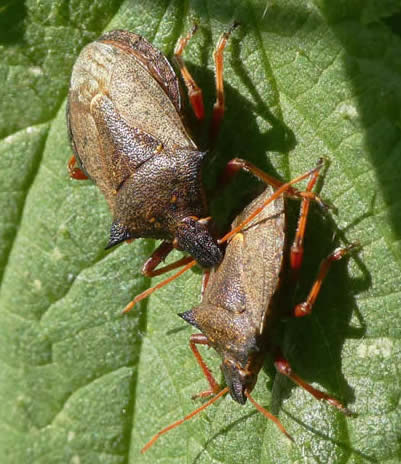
(239, 306)
(127, 132)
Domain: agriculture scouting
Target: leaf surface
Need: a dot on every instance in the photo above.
(82, 384)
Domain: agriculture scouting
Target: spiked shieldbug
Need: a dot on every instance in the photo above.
(242, 300)
(127, 132)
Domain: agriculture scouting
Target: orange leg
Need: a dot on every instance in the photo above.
(159, 255)
(284, 367)
(75, 172)
(190, 263)
(282, 188)
(156, 258)
(305, 308)
(297, 248)
(194, 91)
(200, 339)
(236, 164)
(186, 262)
(218, 108)
(170, 267)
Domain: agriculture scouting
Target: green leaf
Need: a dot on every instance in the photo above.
(82, 384)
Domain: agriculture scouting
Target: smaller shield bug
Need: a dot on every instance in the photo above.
(128, 134)
(239, 306)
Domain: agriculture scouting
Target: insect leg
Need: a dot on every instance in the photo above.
(214, 390)
(284, 367)
(282, 188)
(175, 265)
(218, 108)
(156, 258)
(297, 248)
(161, 284)
(194, 91)
(305, 308)
(236, 164)
(75, 172)
(200, 339)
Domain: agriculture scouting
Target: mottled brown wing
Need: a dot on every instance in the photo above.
(263, 254)
(152, 58)
(144, 88)
(123, 108)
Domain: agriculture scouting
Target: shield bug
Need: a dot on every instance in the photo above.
(239, 306)
(127, 131)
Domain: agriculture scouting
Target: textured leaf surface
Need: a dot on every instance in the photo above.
(79, 383)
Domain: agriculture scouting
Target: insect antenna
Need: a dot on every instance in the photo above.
(179, 422)
(269, 415)
(221, 393)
